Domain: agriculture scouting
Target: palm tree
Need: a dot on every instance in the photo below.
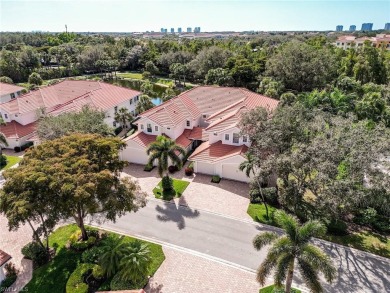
(291, 248)
(3, 140)
(123, 116)
(111, 258)
(249, 166)
(144, 103)
(165, 149)
(135, 261)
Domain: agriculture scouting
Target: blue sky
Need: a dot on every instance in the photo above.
(133, 15)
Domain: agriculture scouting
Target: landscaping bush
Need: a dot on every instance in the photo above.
(118, 130)
(172, 169)
(189, 171)
(215, 179)
(97, 272)
(148, 167)
(118, 284)
(36, 253)
(92, 255)
(83, 245)
(191, 165)
(7, 283)
(167, 183)
(337, 227)
(75, 283)
(3, 160)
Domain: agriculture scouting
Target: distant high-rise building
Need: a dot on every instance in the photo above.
(189, 30)
(339, 28)
(352, 28)
(179, 30)
(197, 29)
(165, 30)
(172, 30)
(387, 26)
(367, 27)
(162, 29)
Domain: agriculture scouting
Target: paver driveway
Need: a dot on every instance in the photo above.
(228, 198)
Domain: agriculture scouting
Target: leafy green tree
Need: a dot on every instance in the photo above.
(241, 71)
(88, 120)
(164, 150)
(270, 88)
(144, 103)
(6, 79)
(84, 171)
(150, 67)
(35, 79)
(218, 76)
(123, 116)
(209, 58)
(372, 106)
(168, 94)
(147, 88)
(10, 66)
(294, 249)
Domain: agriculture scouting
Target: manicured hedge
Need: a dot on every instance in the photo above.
(75, 282)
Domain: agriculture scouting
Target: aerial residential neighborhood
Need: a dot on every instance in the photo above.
(194, 146)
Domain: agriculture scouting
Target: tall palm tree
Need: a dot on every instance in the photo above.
(3, 140)
(248, 166)
(123, 116)
(165, 149)
(144, 103)
(135, 261)
(294, 249)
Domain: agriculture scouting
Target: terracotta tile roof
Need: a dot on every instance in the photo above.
(4, 257)
(6, 88)
(196, 133)
(99, 94)
(142, 138)
(183, 140)
(207, 152)
(228, 121)
(14, 129)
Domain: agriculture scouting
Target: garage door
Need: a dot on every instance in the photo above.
(135, 156)
(231, 171)
(205, 168)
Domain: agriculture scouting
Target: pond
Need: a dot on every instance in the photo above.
(156, 101)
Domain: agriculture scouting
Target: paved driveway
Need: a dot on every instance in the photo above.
(229, 198)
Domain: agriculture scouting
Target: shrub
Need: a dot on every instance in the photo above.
(148, 167)
(92, 255)
(146, 75)
(83, 245)
(172, 169)
(118, 130)
(6, 79)
(189, 171)
(7, 283)
(3, 160)
(270, 195)
(97, 272)
(191, 165)
(75, 283)
(36, 253)
(215, 179)
(35, 79)
(118, 284)
(10, 270)
(167, 183)
(337, 227)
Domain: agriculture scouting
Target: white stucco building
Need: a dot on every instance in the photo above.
(206, 119)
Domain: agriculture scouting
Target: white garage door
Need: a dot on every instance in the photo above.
(231, 171)
(135, 156)
(205, 168)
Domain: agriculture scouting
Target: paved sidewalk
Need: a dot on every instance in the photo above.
(186, 273)
(228, 198)
(12, 243)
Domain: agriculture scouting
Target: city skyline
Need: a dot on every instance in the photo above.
(129, 16)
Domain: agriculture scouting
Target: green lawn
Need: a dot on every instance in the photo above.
(132, 75)
(11, 160)
(270, 289)
(178, 185)
(258, 213)
(366, 241)
(52, 277)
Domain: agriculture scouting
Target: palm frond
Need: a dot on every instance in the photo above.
(319, 261)
(265, 269)
(175, 158)
(264, 239)
(288, 223)
(309, 276)
(311, 229)
(283, 263)
(3, 140)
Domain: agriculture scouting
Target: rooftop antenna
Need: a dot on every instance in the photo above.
(66, 28)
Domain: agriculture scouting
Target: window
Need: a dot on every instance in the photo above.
(131, 101)
(188, 123)
(114, 124)
(12, 96)
(5, 116)
(18, 93)
(226, 136)
(142, 126)
(136, 99)
(156, 128)
(149, 127)
(116, 109)
(168, 128)
(236, 138)
(244, 139)
(204, 116)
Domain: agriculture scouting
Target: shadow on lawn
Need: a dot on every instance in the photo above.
(176, 214)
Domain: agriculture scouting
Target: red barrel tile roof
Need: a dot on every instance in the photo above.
(217, 151)
(6, 88)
